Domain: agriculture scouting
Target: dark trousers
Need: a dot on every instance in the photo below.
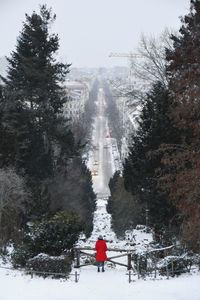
(100, 264)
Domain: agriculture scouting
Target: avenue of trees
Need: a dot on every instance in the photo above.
(112, 112)
(42, 175)
(162, 171)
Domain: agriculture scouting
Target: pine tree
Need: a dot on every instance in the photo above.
(31, 116)
(32, 103)
(183, 164)
(144, 161)
(71, 190)
(7, 134)
(125, 208)
(36, 96)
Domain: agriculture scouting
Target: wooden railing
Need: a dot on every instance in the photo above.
(78, 251)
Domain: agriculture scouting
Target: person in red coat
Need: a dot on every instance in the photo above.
(101, 256)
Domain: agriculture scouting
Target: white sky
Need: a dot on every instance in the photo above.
(90, 29)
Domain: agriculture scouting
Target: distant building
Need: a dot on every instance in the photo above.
(77, 94)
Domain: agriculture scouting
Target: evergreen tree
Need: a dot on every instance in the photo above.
(125, 208)
(36, 138)
(183, 164)
(35, 95)
(71, 190)
(144, 161)
(38, 142)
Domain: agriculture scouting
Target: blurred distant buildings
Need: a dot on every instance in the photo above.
(77, 93)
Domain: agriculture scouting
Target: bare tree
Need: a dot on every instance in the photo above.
(13, 198)
(147, 66)
(150, 66)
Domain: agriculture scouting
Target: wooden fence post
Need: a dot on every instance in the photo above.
(167, 269)
(77, 255)
(138, 268)
(172, 268)
(129, 261)
(76, 276)
(129, 276)
(155, 270)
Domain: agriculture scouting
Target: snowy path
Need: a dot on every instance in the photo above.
(101, 161)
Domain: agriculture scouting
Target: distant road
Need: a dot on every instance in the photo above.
(102, 152)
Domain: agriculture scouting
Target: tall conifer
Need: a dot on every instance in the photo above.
(183, 180)
(141, 166)
(35, 95)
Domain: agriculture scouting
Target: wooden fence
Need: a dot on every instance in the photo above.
(79, 251)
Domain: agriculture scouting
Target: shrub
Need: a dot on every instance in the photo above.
(20, 255)
(53, 236)
(175, 265)
(49, 264)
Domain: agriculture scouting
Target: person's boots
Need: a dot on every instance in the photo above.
(103, 270)
(98, 269)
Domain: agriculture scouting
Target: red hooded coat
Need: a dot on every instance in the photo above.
(101, 249)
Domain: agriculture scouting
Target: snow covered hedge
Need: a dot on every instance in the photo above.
(45, 265)
(52, 236)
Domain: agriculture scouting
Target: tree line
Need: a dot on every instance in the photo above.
(162, 171)
(43, 181)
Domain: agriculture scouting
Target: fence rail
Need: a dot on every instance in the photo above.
(139, 269)
(154, 273)
(109, 249)
(78, 251)
(32, 272)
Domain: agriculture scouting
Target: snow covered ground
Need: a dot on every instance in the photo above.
(113, 284)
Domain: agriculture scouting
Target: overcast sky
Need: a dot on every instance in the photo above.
(90, 29)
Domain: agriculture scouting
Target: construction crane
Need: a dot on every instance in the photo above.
(130, 55)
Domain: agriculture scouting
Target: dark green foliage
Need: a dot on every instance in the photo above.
(141, 169)
(71, 189)
(176, 265)
(140, 264)
(35, 138)
(45, 263)
(123, 206)
(34, 96)
(21, 255)
(7, 132)
(53, 236)
(183, 177)
(14, 202)
(33, 72)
